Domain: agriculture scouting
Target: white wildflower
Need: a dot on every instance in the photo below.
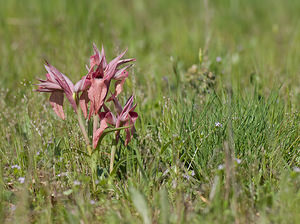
(296, 169)
(238, 160)
(76, 182)
(21, 180)
(16, 167)
(218, 124)
(63, 174)
(13, 208)
(186, 176)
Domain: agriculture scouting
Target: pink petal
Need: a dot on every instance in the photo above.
(118, 124)
(119, 87)
(99, 132)
(56, 101)
(62, 80)
(110, 118)
(106, 109)
(44, 90)
(98, 60)
(133, 115)
(116, 103)
(72, 101)
(97, 94)
(50, 77)
(122, 73)
(128, 137)
(98, 73)
(78, 86)
(91, 112)
(83, 101)
(132, 108)
(103, 61)
(111, 67)
(48, 86)
(69, 82)
(95, 59)
(128, 104)
(102, 115)
(105, 119)
(130, 122)
(126, 109)
(125, 61)
(83, 84)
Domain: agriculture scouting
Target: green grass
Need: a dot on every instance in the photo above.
(180, 167)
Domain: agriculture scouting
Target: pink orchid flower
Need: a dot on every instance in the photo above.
(95, 84)
(126, 117)
(57, 84)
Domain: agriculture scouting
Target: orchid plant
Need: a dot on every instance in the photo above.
(89, 97)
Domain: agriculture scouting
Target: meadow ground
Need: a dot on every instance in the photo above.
(215, 143)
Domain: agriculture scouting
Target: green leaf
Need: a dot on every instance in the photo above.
(140, 204)
(68, 192)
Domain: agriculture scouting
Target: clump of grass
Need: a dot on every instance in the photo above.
(200, 78)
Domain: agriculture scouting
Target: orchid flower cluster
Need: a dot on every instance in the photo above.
(89, 96)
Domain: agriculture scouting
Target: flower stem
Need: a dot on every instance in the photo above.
(95, 123)
(93, 166)
(83, 130)
(112, 156)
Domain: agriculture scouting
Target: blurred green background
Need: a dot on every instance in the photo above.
(262, 37)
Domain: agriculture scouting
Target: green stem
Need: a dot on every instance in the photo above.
(93, 166)
(84, 132)
(92, 159)
(112, 156)
(95, 123)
